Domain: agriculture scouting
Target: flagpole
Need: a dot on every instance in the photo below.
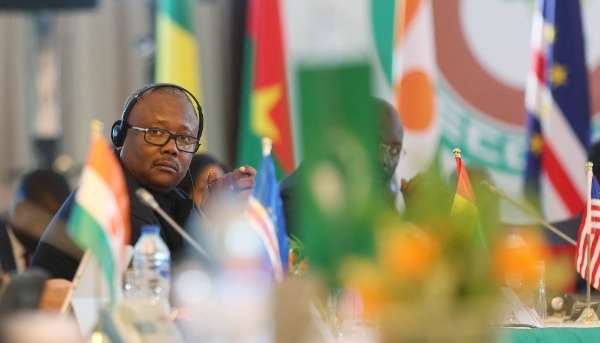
(98, 335)
(267, 146)
(588, 316)
(528, 213)
(66, 306)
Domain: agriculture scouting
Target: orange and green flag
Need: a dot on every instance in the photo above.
(265, 110)
(177, 57)
(100, 220)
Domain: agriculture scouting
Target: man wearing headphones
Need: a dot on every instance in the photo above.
(155, 139)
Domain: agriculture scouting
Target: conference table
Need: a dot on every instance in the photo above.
(549, 334)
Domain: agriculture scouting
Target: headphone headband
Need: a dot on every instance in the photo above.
(119, 128)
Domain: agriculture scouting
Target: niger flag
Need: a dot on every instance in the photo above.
(265, 105)
(414, 83)
(177, 58)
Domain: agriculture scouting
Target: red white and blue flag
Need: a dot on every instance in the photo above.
(265, 214)
(558, 111)
(590, 223)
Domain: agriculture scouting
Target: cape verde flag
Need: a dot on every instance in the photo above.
(265, 214)
(558, 111)
(591, 217)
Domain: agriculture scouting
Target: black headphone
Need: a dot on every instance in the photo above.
(119, 128)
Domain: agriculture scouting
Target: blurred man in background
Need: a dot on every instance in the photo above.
(195, 184)
(389, 137)
(39, 196)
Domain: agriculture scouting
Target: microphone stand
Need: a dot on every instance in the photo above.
(147, 199)
(530, 214)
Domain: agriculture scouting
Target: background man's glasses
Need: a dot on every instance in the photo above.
(391, 152)
(160, 137)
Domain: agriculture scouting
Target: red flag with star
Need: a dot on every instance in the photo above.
(265, 103)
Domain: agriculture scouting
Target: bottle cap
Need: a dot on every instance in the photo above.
(150, 229)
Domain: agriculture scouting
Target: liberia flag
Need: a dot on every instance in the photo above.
(590, 223)
(265, 110)
(265, 214)
(558, 111)
(99, 220)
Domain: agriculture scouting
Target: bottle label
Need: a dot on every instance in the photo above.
(164, 270)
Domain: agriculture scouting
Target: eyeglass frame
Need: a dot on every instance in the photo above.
(391, 158)
(171, 136)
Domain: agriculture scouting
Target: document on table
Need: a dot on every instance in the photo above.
(524, 314)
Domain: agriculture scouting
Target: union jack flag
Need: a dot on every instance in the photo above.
(590, 223)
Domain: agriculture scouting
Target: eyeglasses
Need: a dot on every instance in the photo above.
(160, 137)
(391, 152)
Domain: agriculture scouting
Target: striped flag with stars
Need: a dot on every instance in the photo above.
(558, 111)
(590, 223)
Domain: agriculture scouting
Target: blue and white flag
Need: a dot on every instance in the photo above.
(265, 214)
(558, 111)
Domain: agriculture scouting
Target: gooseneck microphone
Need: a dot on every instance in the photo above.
(147, 199)
(529, 213)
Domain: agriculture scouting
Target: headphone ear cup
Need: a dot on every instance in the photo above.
(117, 134)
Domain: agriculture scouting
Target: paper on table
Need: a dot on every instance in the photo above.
(524, 314)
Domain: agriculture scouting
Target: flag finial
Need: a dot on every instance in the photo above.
(267, 145)
(96, 127)
(589, 165)
(456, 152)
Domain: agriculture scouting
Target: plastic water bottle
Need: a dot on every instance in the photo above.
(152, 263)
(541, 302)
(518, 249)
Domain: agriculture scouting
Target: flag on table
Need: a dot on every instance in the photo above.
(177, 57)
(463, 206)
(265, 110)
(414, 73)
(265, 214)
(558, 111)
(590, 223)
(464, 214)
(99, 220)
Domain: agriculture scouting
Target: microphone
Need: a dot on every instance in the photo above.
(529, 214)
(147, 199)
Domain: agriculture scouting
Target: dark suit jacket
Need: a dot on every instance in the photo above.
(60, 256)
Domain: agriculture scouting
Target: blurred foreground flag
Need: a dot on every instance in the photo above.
(177, 57)
(339, 50)
(265, 105)
(414, 77)
(99, 220)
(590, 225)
(558, 111)
(265, 214)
